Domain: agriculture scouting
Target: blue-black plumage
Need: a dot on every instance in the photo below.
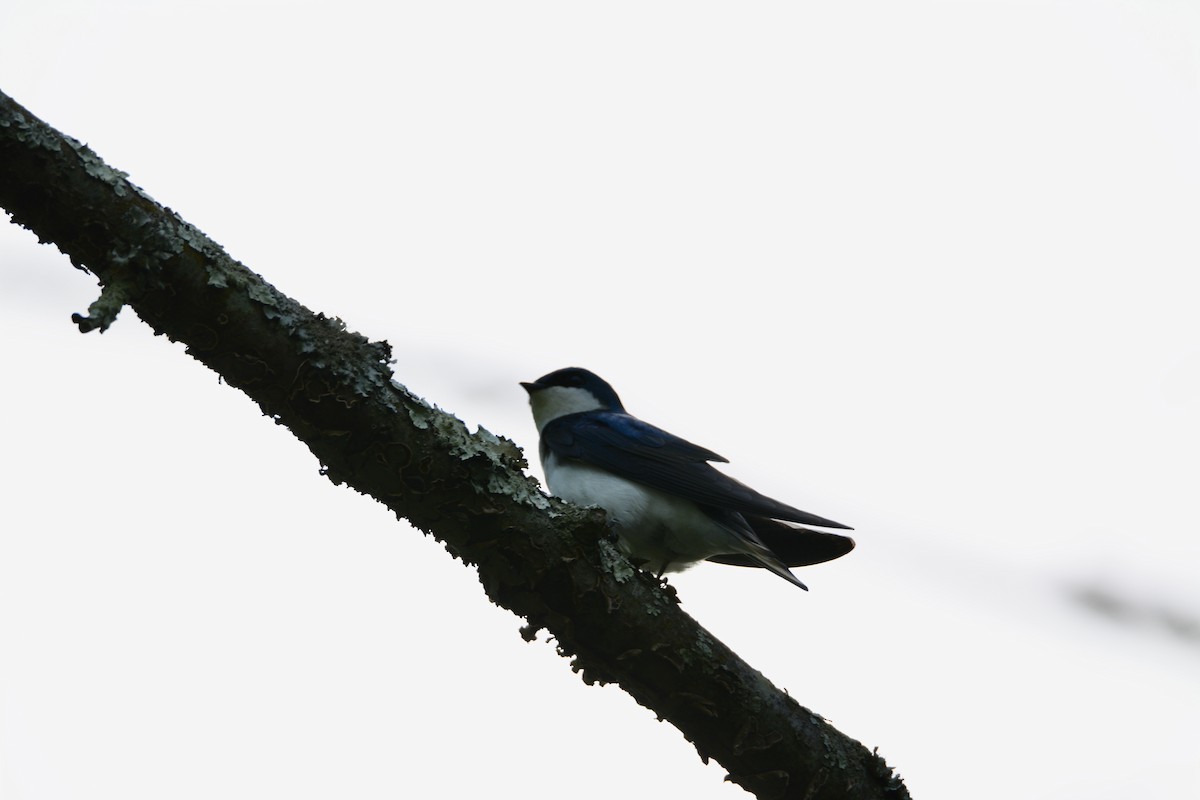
(668, 505)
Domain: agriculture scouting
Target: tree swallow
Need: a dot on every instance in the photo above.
(668, 506)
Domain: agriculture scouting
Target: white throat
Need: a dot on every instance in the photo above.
(557, 401)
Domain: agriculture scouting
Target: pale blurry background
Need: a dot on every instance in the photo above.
(927, 268)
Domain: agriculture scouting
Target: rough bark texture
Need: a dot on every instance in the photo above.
(544, 560)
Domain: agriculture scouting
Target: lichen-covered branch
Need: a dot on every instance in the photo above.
(544, 560)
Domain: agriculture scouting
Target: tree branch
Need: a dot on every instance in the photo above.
(546, 561)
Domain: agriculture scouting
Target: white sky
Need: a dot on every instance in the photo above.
(923, 267)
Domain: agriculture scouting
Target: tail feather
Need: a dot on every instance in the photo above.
(786, 546)
(769, 561)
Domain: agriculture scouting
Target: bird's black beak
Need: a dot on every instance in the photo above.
(532, 386)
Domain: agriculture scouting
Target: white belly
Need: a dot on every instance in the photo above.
(656, 529)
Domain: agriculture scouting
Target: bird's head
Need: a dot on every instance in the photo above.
(569, 391)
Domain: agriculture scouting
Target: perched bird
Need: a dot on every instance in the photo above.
(669, 507)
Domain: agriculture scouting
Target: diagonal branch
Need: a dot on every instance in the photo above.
(544, 560)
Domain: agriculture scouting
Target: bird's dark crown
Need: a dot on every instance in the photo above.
(579, 378)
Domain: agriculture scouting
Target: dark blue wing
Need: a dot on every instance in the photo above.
(636, 450)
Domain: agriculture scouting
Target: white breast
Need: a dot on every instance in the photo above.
(656, 529)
